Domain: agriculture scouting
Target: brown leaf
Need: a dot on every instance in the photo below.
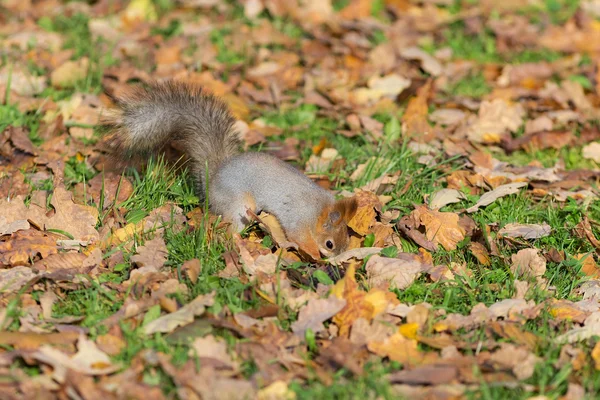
(24, 246)
(33, 341)
(526, 231)
(209, 347)
(399, 272)
(426, 375)
(501, 191)
(359, 304)
(152, 254)
(444, 197)
(400, 349)
(584, 231)
(495, 120)
(589, 267)
(414, 119)
(518, 359)
(192, 268)
(315, 312)
(591, 151)
(540, 141)
(440, 227)
(20, 139)
(480, 252)
(364, 218)
(185, 315)
(528, 263)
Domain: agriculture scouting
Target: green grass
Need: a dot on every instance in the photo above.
(473, 85)
(158, 184)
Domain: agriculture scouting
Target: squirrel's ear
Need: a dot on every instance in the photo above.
(334, 217)
(346, 208)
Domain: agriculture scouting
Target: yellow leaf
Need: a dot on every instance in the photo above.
(596, 356)
(398, 348)
(440, 227)
(140, 10)
(409, 331)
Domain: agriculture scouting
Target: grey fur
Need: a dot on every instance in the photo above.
(151, 117)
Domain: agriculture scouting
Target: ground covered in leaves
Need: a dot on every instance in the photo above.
(468, 130)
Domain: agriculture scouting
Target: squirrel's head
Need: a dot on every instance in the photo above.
(332, 228)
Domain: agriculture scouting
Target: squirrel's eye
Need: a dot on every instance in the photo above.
(329, 244)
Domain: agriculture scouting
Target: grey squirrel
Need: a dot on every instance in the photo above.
(148, 118)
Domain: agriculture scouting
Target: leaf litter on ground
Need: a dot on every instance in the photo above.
(486, 112)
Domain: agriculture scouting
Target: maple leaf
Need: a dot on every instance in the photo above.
(359, 304)
(440, 227)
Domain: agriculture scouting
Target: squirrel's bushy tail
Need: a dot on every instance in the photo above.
(148, 118)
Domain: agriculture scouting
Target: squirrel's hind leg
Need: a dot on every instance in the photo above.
(236, 212)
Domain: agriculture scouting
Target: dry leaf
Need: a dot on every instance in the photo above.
(495, 119)
(440, 227)
(444, 197)
(526, 231)
(185, 315)
(315, 312)
(399, 272)
(501, 191)
(528, 263)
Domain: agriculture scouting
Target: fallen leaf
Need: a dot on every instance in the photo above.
(414, 119)
(501, 191)
(398, 348)
(185, 315)
(426, 375)
(71, 72)
(315, 312)
(152, 254)
(359, 304)
(440, 227)
(518, 359)
(399, 272)
(210, 347)
(528, 263)
(428, 62)
(25, 246)
(495, 119)
(480, 253)
(526, 231)
(444, 197)
(591, 151)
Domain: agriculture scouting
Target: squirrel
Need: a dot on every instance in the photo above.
(148, 118)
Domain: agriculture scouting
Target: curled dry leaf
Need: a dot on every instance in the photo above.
(185, 315)
(358, 254)
(480, 253)
(525, 231)
(528, 263)
(501, 191)
(399, 272)
(88, 360)
(315, 312)
(444, 197)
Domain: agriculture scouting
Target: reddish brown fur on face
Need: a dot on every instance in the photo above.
(332, 224)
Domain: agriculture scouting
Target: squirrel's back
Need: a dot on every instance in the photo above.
(150, 117)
